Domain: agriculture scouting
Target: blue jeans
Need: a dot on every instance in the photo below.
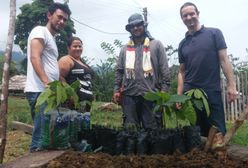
(38, 120)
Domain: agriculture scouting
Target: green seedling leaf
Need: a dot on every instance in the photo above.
(190, 113)
(166, 104)
(206, 106)
(53, 85)
(42, 98)
(180, 114)
(169, 104)
(199, 99)
(198, 103)
(165, 118)
(156, 108)
(203, 93)
(178, 98)
(75, 85)
(75, 101)
(168, 112)
(151, 96)
(198, 94)
(73, 96)
(190, 92)
(69, 91)
(37, 108)
(164, 96)
(56, 94)
(61, 94)
(50, 104)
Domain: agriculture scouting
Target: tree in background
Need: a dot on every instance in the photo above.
(12, 69)
(103, 82)
(35, 14)
(170, 51)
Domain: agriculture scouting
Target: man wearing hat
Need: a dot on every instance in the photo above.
(141, 67)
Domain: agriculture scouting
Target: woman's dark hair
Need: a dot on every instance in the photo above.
(69, 42)
(188, 4)
(64, 7)
(71, 39)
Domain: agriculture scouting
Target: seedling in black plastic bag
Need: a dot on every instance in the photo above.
(58, 93)
(166, 104)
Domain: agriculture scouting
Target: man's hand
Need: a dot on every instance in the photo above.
(178, 106)
(232, 94)
(117, 98)
(46, 83)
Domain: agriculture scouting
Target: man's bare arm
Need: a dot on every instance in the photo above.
(37, 46)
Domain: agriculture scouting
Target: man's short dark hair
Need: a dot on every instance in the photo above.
(188, 4)
(64, 7)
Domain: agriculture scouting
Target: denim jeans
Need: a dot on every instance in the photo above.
(38, 120)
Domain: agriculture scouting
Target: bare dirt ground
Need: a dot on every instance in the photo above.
(17, 145)
(194, 159)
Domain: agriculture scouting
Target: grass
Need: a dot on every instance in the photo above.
(17, 145)
(241, 136)
(106, 118)
(18, 110)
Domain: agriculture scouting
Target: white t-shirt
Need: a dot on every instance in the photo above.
(49, 60)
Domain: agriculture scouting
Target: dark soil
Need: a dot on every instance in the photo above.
(193, 159)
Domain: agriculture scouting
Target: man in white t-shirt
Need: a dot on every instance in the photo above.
(42, 67)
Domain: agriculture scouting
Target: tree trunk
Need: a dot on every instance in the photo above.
(5, 79)
(243, 116)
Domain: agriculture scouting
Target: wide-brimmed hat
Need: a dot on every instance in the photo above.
(135, 19)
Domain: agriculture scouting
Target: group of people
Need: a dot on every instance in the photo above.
(142, 67)
(44, 67)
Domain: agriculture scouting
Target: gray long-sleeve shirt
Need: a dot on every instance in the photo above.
(141, 85)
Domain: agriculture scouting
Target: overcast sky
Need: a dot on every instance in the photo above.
(165, 24)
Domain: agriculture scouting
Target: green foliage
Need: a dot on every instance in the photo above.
(36, 14)
(173, 77)
(58, 93)
(198, 98)
(166, 103)
(110, 49)
(170, 50)
(18, 110)
(241, 135)
(103, 81)
(12, 70)
(106, 118)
